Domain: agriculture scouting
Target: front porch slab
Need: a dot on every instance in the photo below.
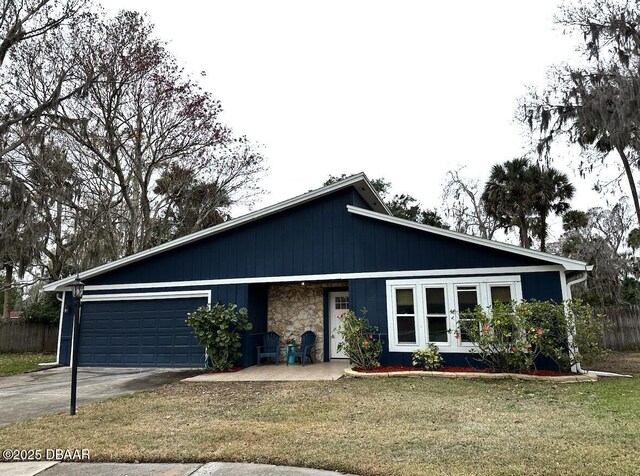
(278, 373)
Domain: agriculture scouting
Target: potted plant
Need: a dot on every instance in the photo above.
(290, 343)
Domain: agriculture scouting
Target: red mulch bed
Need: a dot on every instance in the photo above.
(232, 369)
(402, 368)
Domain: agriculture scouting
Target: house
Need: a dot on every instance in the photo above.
(298, 265)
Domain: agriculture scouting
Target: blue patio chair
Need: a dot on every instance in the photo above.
(270, 347)
(307, 342)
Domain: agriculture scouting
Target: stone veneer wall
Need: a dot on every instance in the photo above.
(294, 309)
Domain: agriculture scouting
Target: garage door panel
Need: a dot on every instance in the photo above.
(145, 333)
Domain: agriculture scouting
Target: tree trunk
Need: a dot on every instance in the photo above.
(632, 183)
(524, 233)
(543, 232)
(8, 281)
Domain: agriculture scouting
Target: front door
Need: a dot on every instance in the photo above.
(338, 305)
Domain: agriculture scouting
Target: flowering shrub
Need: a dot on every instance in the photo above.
(511, 336)
(505, 338)
(428, 358)
(360, 343)
(218, 329)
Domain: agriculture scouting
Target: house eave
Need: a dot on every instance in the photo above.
(566, 263)
(359, 181)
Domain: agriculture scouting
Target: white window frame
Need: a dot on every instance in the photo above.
(454, 345)
(391, 298)
(447, 303)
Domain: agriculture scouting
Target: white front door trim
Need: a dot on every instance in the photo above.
(334, 311)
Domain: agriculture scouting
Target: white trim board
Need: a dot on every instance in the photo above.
(566, 263)
(359, 181)
(329, 277)
(64, 295)
(148, 296)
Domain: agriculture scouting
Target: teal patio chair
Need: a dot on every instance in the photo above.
(307, 342)
(270, 347)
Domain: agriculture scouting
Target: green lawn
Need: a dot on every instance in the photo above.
(17, 363)
(400, 426)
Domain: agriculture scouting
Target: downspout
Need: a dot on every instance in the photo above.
(572, 347)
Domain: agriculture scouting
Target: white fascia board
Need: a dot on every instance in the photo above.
(206, 293)
(349, 181)
(567, 263)
(327, 277)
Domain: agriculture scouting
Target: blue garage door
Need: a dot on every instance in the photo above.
(145, 333)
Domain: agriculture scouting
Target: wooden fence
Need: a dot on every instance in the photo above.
(624, 333)
(24, 336)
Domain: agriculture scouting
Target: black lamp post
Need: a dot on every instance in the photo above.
(77, 289)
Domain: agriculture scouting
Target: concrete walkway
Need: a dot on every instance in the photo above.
(48, 391)
(52, 468)
(278, 373)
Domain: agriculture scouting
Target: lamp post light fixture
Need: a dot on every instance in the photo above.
(77, 289)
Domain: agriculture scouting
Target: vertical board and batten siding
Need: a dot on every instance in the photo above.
(121, 325)
(320, 237)
(313, 238)
(307, 239)
(371, 295)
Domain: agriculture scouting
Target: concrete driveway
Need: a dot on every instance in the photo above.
(34, 394)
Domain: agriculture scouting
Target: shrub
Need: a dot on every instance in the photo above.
(511, 336)
(505, 338)
(218, 330)
(588, 332)
(428, 358)
(361, 343)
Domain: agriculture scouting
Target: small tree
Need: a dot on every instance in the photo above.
(361, 343)
(218, 330)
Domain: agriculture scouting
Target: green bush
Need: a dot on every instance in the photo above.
(510, 337)
(360, 343)
(218, 330)
(505, 338)
(428, 358)
(588, 332)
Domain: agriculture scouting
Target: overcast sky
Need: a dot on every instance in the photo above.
(404, 90)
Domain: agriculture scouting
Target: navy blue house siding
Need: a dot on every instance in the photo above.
(370, 294)
(318, 237)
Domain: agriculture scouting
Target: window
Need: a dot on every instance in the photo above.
(422, 311)
(405, 316)
(436, 305)
(501, 293)
(467, 300)
(342, 302)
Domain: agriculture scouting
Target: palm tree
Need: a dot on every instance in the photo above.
(553, 190)
(508, 196)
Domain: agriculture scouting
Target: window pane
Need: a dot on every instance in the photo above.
(404, 301)
(467, 299)
(501, 294)
(464, 335)
(435, 301)
(438, 329)
(406, 330)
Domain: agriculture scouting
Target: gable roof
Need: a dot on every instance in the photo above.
(359, 181)
(567, 263)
